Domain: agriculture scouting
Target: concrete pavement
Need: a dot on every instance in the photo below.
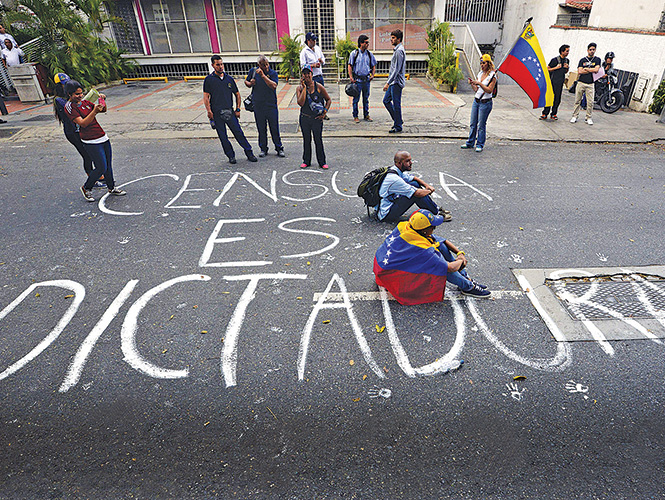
(175, 110)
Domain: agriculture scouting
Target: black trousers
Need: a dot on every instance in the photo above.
(558, 89)
(312, 126)
(75, 140)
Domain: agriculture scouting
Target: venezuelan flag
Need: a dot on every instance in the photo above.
(410, 267)
(526, 65)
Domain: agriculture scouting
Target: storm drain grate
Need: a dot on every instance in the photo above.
(597, 298)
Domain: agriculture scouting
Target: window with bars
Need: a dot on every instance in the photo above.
(474, 11)
(126, 35)
(246, 25)
(176, 26)
(319, 17)
(378, 18)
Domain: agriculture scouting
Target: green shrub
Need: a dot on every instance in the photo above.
(343, 49)
(289, 52)
(442, 62)
(658, 99)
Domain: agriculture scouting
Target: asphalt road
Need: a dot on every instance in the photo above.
(194, 362)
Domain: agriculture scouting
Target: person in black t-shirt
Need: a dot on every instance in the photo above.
(586, 68)
(263, 82)
(558, 67)
(219, 92)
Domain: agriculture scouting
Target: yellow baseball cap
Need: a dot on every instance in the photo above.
(423, 219)
(486, 57)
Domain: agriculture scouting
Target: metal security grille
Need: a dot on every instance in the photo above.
(236, 70)
(126, 35)
(576, 19)
(620, 297)
(319, 16)
(474, 11)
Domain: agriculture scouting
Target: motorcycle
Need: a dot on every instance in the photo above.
(608, 95)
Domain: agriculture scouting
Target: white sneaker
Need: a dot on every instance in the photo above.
(589, 121)
(573, 119)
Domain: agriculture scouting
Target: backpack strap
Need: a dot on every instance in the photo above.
(354, 55)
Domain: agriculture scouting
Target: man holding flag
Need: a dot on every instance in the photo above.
(526, 65)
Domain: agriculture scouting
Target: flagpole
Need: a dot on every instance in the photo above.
(526, 23)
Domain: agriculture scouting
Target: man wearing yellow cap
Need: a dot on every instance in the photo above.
(413, 265)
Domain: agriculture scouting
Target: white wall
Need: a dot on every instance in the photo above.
(643, 54)
(296, 19)
(635, 14)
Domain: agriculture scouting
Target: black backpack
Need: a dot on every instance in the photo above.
(495, 92)
(369, 187)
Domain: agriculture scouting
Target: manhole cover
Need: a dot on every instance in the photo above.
(592, 301)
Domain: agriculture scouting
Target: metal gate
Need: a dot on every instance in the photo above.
(320, 19)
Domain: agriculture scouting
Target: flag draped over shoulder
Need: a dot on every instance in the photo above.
(526, 65)
(410, 267)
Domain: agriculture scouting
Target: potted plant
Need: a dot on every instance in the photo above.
(289, 52)
(443, 63)
(343, 49)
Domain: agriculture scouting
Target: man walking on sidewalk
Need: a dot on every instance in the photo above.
(558, 67)
(219, 89)
(586, 68)
(361, 67)
(392, 100)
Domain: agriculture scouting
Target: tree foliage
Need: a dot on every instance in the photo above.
(69, 34)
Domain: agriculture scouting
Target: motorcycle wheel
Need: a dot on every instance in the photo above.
(612, 102)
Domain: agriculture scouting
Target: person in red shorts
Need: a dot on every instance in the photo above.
(95, 141)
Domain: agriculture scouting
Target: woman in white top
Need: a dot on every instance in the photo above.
(482, 103)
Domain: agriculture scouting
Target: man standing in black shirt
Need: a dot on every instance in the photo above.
(558, 67)
(587, 67)
(219, 89)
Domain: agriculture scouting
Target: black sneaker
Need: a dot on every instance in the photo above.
(233, 161)
(117, 192)
(252, 158)
(484, 287)
(263, 154)
(87, 194)
(280, 153)
(477, 292)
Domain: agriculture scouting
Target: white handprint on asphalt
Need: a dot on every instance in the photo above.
(515, 391)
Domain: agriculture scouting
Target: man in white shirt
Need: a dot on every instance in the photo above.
(11, 56)
(313, 55)
(4, 35)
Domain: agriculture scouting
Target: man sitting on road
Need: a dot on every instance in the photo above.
(399, 190)
(414, 266)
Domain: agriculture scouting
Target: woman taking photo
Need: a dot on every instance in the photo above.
(96, 143)
(483, 86)
(314, 103)
(71, 131)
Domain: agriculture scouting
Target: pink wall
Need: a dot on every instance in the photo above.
(212, 26)
(282, 17)
(144, 33)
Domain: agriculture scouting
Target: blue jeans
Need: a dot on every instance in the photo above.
(479, 113)
(267, 116)
(458, 278)
(101, 158)
(318, 79)
(402, 203)
(363, 86)
(392, 100)
(234, 127)
(75, 139)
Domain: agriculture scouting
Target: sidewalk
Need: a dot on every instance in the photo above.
(175, 110)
